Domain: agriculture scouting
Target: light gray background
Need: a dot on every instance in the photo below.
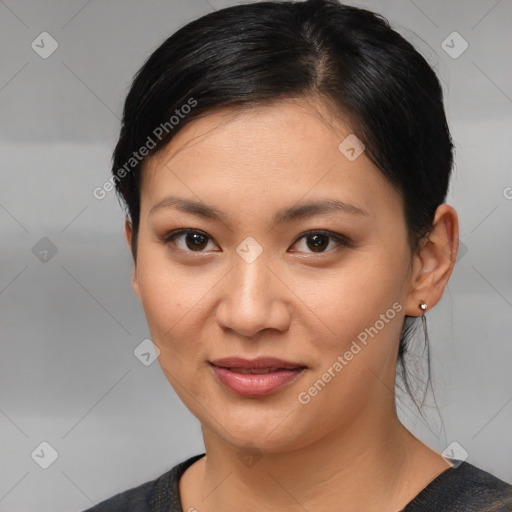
(69, 326)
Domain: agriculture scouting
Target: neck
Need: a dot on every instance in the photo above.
(372, 463)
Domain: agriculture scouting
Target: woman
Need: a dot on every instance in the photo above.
(284, 167)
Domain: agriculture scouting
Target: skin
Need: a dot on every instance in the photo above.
(295, 302)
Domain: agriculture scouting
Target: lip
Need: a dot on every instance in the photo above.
(281, 374)
(259, 363)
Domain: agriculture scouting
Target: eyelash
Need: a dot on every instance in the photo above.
(340, 240)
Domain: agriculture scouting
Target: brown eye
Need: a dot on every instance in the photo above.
(318, 241)
(195, 241)
(192, 240)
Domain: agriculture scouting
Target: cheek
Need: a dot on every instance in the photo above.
(360, 315)
(345, 301)
(170, 299)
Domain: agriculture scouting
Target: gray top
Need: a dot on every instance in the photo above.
(464, 489)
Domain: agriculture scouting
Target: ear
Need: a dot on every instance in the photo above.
(128, 232)
(433, 263)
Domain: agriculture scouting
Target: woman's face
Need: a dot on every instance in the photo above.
(251, 282)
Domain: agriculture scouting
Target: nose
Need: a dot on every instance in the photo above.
(254, 298)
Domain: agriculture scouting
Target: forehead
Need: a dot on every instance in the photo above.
(286, 127)
(273, 154)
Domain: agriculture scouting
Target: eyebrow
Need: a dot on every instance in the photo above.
(282, 216)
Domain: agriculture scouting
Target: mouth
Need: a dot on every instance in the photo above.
(256, 371)
(265, 364)
(256, 377)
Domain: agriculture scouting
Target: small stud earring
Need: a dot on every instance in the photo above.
(422, 306)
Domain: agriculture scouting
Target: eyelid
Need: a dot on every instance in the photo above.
(339, 239)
